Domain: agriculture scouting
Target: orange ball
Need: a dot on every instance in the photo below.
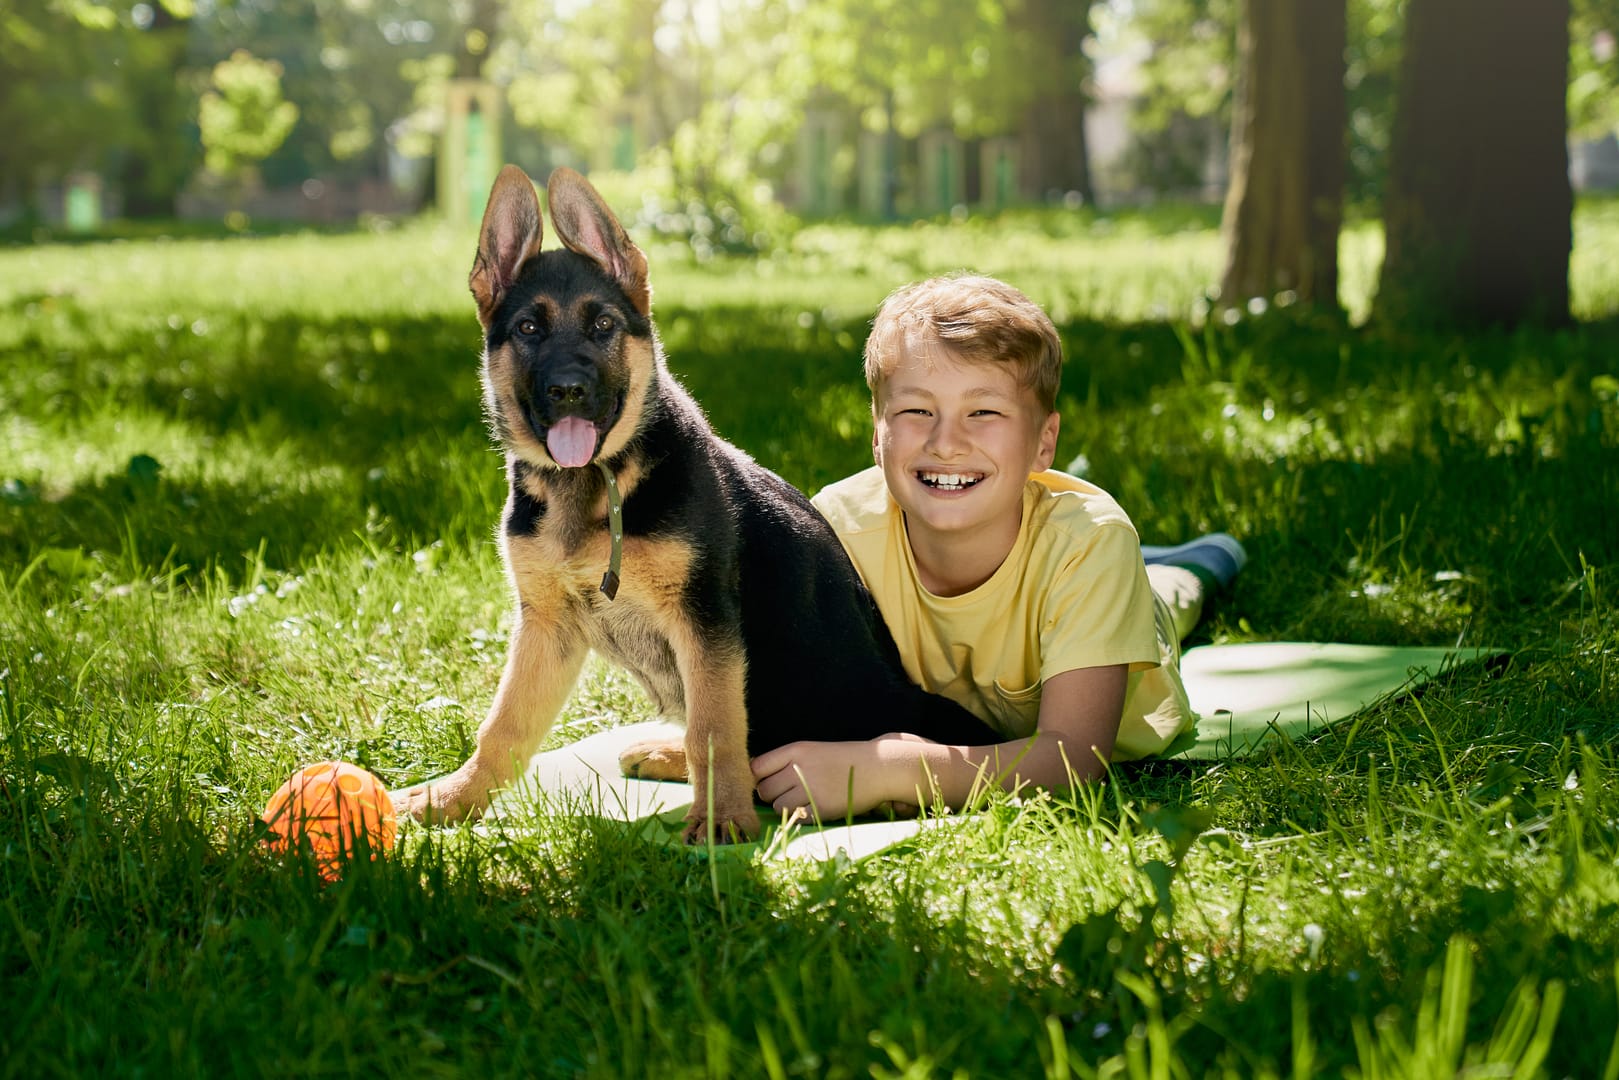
(327, 809)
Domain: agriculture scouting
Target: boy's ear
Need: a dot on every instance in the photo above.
(1048, 442)
(876, 447)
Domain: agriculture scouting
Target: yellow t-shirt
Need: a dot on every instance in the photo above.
(1072, 593)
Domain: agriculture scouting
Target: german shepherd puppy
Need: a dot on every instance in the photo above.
(737, 610)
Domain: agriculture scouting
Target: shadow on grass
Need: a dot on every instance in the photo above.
(578, 951)
(581, 949)
(188, 525)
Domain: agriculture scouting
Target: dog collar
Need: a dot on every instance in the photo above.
(615, 530)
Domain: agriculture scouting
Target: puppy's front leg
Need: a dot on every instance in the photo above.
(717, 746)
(541, 668)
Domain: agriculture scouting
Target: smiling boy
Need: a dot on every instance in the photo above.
(1016, 591)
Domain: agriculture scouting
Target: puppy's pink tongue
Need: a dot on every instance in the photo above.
(572, 442)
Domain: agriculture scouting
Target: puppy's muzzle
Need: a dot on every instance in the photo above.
(570, 411)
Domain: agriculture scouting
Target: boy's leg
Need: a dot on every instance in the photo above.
(1216, 558)
(1182, 592)
(1185, 575)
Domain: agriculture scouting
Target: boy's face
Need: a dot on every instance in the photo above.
(957, 441)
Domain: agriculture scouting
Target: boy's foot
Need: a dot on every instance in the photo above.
(1216, 557)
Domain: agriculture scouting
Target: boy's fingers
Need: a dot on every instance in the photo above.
(768, 788)
(772, 787)
(772, 761)
(791, 798)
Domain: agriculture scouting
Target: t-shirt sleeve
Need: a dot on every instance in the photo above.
(1098, 608)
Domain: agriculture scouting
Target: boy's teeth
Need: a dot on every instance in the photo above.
(949, 481)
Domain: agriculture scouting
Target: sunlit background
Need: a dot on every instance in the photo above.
(721, 121)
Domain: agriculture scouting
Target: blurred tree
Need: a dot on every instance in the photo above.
(1181, 109)
(243, 116)
(1284, 203)
(1593, 85)
(158, 152)
(477, 38)
(577, 71)
(721, 89)
(1371, 66)
(976, 69)
(352, 67)
(1477, 214)
(59, 92)
(1056, 158)
(1189, 70)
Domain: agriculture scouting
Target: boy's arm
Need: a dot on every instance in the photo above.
(1079, 719)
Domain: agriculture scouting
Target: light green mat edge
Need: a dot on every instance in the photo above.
(1247, 694)
(1244, 695)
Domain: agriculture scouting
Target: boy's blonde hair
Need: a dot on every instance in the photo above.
(973, 319)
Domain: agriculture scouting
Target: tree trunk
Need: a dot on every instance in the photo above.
(1055, 157)
(1478, 205)
(156, 166)
(1284, 205)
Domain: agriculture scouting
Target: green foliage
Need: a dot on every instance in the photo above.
(1593, 87)
(1190, 67)
(243, 117)
(246, 497)
(58, 88)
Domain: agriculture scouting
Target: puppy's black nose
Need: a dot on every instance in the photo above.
(569, 393)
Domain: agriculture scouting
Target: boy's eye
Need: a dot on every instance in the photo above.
(914, 412)
(986, 412)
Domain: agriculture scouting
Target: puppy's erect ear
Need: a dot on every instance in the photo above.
(508, 237)
(587, 226)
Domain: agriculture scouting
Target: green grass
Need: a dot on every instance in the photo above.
(246, 508)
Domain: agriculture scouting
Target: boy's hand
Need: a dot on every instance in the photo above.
(816, 776)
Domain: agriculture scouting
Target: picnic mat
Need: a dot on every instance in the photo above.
(1246, 694)
(1243, 694)
(583, 778)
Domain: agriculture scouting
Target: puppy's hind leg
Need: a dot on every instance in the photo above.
(654, 759)
(541, 670)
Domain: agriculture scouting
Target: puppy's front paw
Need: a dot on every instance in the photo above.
(729, 828)
(654, 759)
(447, 799)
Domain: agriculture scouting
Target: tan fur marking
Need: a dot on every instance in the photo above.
(717, 743)
(712, 676)
(642, 362)
(542, 666)
(653, 570)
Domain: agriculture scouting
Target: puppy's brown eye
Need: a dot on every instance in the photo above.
(604, 323)
(528, 327)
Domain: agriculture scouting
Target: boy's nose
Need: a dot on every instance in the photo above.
(946, 439)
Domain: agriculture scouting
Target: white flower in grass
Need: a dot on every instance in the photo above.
(1314, 935)
(435, 704)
